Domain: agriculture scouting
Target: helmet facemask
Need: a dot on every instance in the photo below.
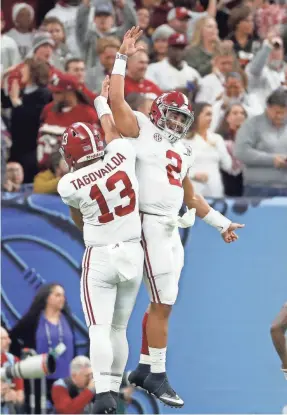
(173, 127)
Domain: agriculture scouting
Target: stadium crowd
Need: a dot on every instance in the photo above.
(229, 57)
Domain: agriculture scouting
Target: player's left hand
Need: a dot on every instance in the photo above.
(105, 87)
(229, 235)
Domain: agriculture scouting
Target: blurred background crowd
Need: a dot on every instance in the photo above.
(228, 56)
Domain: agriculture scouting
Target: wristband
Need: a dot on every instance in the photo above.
(120, 65)
(102, 106)
(217, 220)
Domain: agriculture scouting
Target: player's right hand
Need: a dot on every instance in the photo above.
(128, 47)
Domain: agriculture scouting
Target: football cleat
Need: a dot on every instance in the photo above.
(138, 376)
(157, 384)
(105, 404)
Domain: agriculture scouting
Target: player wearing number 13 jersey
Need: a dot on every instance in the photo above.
(162, 166)
(102, 192)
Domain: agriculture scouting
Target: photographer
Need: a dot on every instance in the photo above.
(12, 392)
(75, 394)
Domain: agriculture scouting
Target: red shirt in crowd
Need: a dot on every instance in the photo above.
(143, 87)
(64, 404)
(8, 357)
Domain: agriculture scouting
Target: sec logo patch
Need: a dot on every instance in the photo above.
(157, 137)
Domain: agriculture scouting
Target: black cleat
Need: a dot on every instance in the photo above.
(138, 376)
(158, 385)
(105, 403)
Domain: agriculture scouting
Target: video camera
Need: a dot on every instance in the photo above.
(33, 367)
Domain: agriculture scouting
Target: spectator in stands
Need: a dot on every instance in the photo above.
(269, 17)
(235, 92)
(261, 145)
(143, 16)
(204, 40)
(23, 16)
(178, 19)
(266, 72)
(12, 391)
(173, 72)
(57, 31)
(136, 76)
(232, 121)
(47, 181)
(10, 55)
(160, 44)
(88, 36)
(14, 177)
(77, 68)
(75, 394)
(241, 24)
(106, 50)
(69, 105)
(6, 144)
(26, 106)
(211, 87)
(66, 11)
(46, 325)
(139, 102)
(210, 154)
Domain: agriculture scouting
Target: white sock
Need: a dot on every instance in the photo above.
(144, 359)
(116, 381)
(120, 352)
(157, 358)
(101, 356)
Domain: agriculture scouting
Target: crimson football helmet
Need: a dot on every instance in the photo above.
(162, 115)
(81, 142)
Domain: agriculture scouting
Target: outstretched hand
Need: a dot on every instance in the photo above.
(229, 235)
(105, 87)
(128, 47)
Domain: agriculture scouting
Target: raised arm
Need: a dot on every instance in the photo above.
(105, 114)
(125, 119)
(278, 330)
(208, 214)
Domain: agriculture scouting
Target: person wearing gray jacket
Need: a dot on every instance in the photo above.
(102, 25)
(261, 145)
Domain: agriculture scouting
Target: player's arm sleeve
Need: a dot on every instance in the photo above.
(245, 146)
(67, 192)
(64, 404)
(193, 200)
(77, 217)
(124, 146)
(124, 116)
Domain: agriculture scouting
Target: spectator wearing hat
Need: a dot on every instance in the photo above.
(104, 21)
(66, 11)
(23, 18)
(266, 72)
(136, 80)
(107, 48)
(26, 105)
(177, 20)
(47, 181)
(10, 55)
(261, 145)
(211, 86)
(160, 43)
(69, 105)
(173, 72)
(235, 92)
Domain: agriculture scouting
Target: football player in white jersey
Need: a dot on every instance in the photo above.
(102, 193)
(162, 171)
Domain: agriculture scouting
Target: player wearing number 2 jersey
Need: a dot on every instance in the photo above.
(162, 166)
(102, 192)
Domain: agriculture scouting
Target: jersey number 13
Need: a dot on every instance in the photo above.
(128, 191)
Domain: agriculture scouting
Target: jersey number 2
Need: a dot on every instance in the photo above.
(172, 169)
(95, 194)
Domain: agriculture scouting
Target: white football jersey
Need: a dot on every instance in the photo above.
(106, 193)
(161, 167)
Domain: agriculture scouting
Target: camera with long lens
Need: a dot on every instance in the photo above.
(33, 367)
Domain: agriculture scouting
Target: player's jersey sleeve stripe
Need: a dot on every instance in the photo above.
(84, 271)
(148, 268)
